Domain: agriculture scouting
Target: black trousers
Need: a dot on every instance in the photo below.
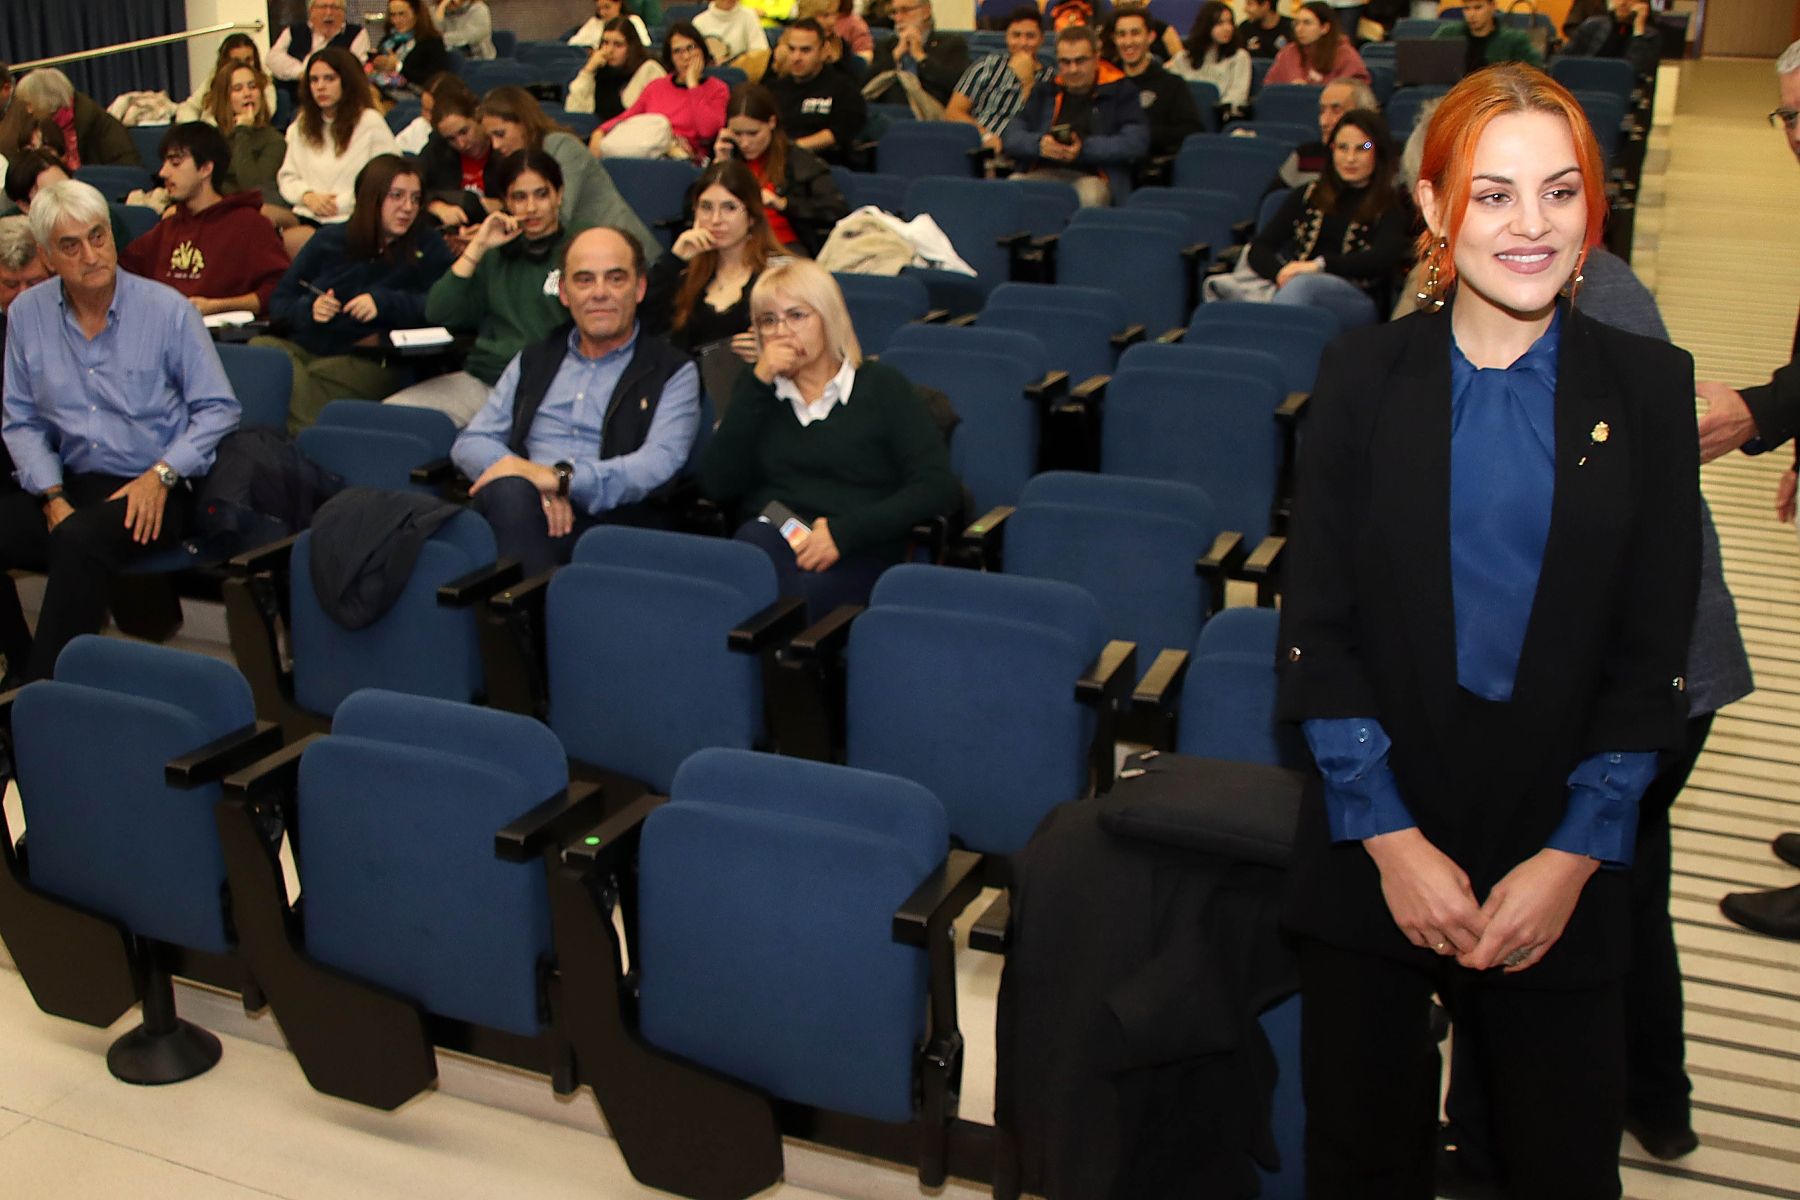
(1551, 1065)
(80, 557)
(515, 510)
(847, 581)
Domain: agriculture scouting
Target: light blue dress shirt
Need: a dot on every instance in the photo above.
(568, 428)
(1502, 481)
(148, 387)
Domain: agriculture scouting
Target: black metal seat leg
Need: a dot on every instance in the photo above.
(165, 1048)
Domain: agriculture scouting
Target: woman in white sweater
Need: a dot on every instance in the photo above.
(1211, 55)
(615, 74)
(736, 28)
(605, 10)
(336, 132)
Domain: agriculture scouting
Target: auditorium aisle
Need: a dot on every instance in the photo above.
(1717, 242)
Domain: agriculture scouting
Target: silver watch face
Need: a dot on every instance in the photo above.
(167, 475)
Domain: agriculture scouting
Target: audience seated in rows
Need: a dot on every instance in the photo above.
(798, 192)
(1213, 54)
(1264, 31)
(676, 116)
(875, 465)
(467, 25)
(848, 28)
(1320, 52)
(297, 43)
(453, 162)
(1339, 244)
(32, 172)
(412, 136)
(237, 105)
(89, 134)
(585, 424)
(515, 121)
(1489, 41)
(102, 461)
(351, 284)
(503, 287)
(335, 133)
(732, 32)
(921, 66)
(1087, 129)
(1623, 32)
(993, 90)
(217, 250)
(1167, 101)
(589, 34)
(699, 293)
(821, 104)
(410, 53)
(616, 73)
(240, 51)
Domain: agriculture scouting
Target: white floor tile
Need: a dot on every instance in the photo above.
(45, 1162)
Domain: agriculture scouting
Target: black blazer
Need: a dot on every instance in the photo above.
(1368, 627)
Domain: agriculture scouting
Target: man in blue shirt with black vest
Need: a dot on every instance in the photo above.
(583, 426)
(115, 398)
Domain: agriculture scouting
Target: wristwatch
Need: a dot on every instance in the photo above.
(565, 474)
(166, 475)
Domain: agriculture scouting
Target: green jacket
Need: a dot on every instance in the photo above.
(510, 302)
(1506, 45)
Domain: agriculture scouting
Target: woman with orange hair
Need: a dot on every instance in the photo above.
(1484, 633)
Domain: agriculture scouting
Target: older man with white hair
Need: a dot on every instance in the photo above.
(1757, 419)
(114, 399)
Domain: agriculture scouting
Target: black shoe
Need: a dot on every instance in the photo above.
(1775, 912)
(1664, 1142)
(1458, 1175)
(1787, 848)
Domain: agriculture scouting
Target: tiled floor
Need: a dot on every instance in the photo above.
(1719, 245)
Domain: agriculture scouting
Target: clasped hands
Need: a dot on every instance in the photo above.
(559, 511)
(361, 308)
(1050, 148)
(1430, 899)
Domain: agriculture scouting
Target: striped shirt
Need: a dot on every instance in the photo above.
(995, 96)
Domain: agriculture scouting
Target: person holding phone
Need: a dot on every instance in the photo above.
(1086, 129)
(845, 444)
(799, 195)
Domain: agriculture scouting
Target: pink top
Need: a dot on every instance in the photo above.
(1289, 67)
(853, 31)
(696, 114)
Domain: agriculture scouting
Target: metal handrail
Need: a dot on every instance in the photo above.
(141, 44)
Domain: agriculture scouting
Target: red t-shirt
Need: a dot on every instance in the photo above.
(778, 224)
(472, 169)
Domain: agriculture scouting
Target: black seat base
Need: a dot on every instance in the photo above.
(150, 1058)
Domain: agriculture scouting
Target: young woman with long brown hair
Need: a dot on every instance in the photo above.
(699, 294)
(334, 135)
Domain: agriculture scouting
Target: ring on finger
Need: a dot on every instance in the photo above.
(1439, 945)
(1518, 956)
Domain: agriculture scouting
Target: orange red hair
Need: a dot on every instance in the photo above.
(1448, 162)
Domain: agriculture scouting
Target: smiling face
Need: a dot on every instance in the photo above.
(400, 206)
(506, 137)
(326, 17)
(1353, 154)
(1131, 37)
(327, 87)
(1024, 37)
(1526, 220)
(534, 202)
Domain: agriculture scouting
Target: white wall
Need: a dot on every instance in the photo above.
(203, 51)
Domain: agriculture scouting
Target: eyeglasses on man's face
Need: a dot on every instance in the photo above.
(1784, 118)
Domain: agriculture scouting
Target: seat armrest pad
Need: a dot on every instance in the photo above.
(225, 756)
(941, 898)
(264, 558)
(285, 762)
(437, 471)
(614, 837)
(988, 934)
(1293, 407)
(1265, 558)
(528, 594)
(480, 583)
(1110, 675)
(828, 634)
(1160, 687)
(779, 622)
(575, 808)
(1225, 555)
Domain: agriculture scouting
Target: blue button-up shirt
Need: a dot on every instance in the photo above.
(569, 426)
(1502, 480)
(148, 387)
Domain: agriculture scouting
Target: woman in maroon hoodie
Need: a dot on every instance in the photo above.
(219, 251)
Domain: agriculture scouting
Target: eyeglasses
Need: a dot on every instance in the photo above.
(684, 48)
(793, 318)
(726, 208)
(1365, 147)
(1784, 118)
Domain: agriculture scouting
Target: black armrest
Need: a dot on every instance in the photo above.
(985, 536)
(521, 596)
(264, 558)
(479, 584)
(437, 471)
(1220, 562)
(772, 626)
(1292, 408)
(1171, 337)
(1048, 390)
(937, 902)
(965, 321)
(614, 837)
(1263, 568)
(988, 934)
(827, 635)
(1110, 674)
(226, 756)
(577, 807)
(280, 769)
(1198, 252)
(1127, 337)
(1242, 231)
(1161, 685)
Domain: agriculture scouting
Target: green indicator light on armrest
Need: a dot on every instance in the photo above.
(591, 841)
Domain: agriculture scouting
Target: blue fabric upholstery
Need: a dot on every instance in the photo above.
(768, 887)
(396, 853)
(366, 457)
(1402, 108)
(138, 219)
(115, 181)
(430, 426)
(974, 214)
(1296, 334)
(1242, 630)
(1294, 103)
(1060, 606)
(262, 378)
(1290, 135)
(106, 831)
(1049, 203)
(1228, 699)
(863, 188)
(1217, 432)
(917, 149)
(881, 305)
(1143, 267)
(1215, 356)
(416, 647)
(1613, 75)
(1246, 167)
(995, 446)
(655, 188)
(1210, 214)
(743, 568)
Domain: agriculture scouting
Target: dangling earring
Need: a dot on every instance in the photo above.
(1575, 279)
(1431, 295)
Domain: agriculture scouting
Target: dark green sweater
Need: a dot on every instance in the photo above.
(874, 467)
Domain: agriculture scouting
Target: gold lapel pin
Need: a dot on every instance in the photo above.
(1599, 433)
